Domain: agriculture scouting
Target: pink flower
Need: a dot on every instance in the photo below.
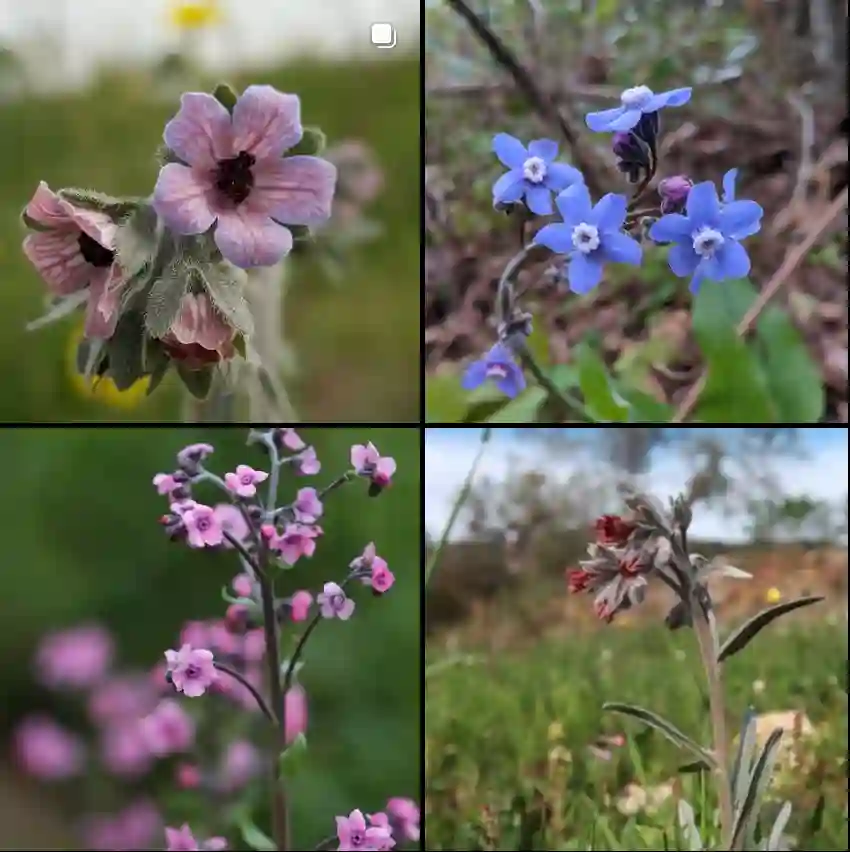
(169, 729)
(202, 527)
(289, 439)
(382, 578)
(353, 833)
(182, 840)
(244, 482)
(334, 603)
(236, 177)
(196, 633)
(231, 521)
(165, 483)
(404, 815)
(240, 764)
(46, 750)
(190, 458)
(295, 708)
(124, 750)
(372, 570)
(254, 645)
(199, 334)
(307, 506)
(77, 658)
(134, 828)
(307, 462)
(367, 461)
(192, 670)
(243, 585)
(120, 699)
(297, 540)
(382, 821)
(300, 605)
(187, 776)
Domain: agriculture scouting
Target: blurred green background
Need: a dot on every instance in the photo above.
(357, 342)
(83, 544)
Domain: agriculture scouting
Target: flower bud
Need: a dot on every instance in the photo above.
(632, 155)
(674, 193)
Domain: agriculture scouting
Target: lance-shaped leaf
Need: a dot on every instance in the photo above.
(667, 729)
(59, 309)
(117, 209)
(156, 363)
(293, 756)
(254, 838)
(124, 350)
(138, 238)
(776, 838)
(751, 628)
(163, 301)
(225, 285)
(688, 826)
(742, 767)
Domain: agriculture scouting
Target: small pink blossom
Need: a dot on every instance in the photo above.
(46, 750)
(295, 708)
(231, 521)
(405, 813)
(300, 604)
(202, 527)
(353, 833)
(240, 764)
(189, 458)
(382, 578)
(199, 334)
(245, 480)
(307, 463)
(165, 483)
(290, 439)
(133, 828)
(243, 585)
(254, 645)
(236, 179)
(192, 670)
(77, 658)
(367, 461)
(169, 729)
(382, 821)
(124, 750)
(187, 776)
(307, 506)
(182, 840)
(373, 570)
(296, 541)
(333, 602)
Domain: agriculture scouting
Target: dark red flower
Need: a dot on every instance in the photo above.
(577, 580)
(612, 530)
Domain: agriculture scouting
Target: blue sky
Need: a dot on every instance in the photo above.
(821, 474)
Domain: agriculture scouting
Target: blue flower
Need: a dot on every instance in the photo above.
(634, 102)
(533, 173)
(589, 236)
(706, 240)
(499, 366)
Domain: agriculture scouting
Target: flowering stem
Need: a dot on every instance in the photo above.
(299, 649)
(261, 702)
(337, 483)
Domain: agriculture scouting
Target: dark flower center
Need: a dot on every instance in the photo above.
(337, 601)
(94, 253)
(356, 838)
(234, 178)
(192, 671)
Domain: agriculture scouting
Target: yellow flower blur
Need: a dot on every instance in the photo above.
(195, 16)
(773, 595)
(101, 390)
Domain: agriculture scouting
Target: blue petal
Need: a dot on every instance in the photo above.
(673, 98)
(682, 259)
(475, 375)
(509, 150)
(556, 237)
(672, 228)
(538, 199)
(584, 272)
(733, 260)
(609, 212)
(626, 121)
(559, 176)
(574, 204)
(513, 383)
(546, 149)
(729, 185)
(740, 219)
(509, 188)
(599, 121)
(499, 354)
(621, 248)
(698, 277)
(703, 206)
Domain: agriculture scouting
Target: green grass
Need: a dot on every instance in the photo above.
(357, 343)
(507, 759)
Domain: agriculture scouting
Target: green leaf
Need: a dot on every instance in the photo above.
(197, 382)
(794, 379)
(445, 399)
(124, 350)
(644, 408)
(564, 376)
(225, 284)
(293, 756)
(736, 389)
(254, 838)
(89, 199)
(753, 626)
(163, 301)
(156, 363)
(667, 729)
(522, 408)
(137, 240)
(91, 358)
(239, 345)
(596, 388)
(312, 143)
(59, 309)
(537, 344)
(226, 96)
(747, 811)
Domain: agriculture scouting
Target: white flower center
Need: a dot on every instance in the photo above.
(585, 238)
(634, 97)
(707, 241)
(497, 371)
(534, 170)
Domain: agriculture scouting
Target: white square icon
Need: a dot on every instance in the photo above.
(383, 35)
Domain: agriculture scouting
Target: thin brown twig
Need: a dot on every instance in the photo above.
(792, 260)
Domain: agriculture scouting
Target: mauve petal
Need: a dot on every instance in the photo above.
(539, 200)
(266, 122)
(47, 208)
(609, 213)
(97, 225)
(247, 239)
(672, 228)
(682, 259)
(729, 185)
(560, 175)
(556, 237)
(56, 255)
(739, 219)
(180, 200)
(733, 260)
(703, 206)
(103, 302)
(509, 150)
(294, 190)
(546, 149)
(600, 121)
(621, 248)
(508, 189)
(583, 274)
(574, 204)
(200, 132)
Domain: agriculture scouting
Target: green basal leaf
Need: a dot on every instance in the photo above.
(445, 399)
(521, 409)
(747, 811)
(596, 388)
(254, 838)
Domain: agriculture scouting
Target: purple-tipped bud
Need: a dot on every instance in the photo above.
(632, 155)
(673, 192)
